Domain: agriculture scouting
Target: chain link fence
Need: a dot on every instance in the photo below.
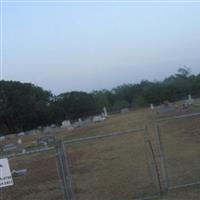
(113, 166)
(36, 176)
(129, 164)
(178, 139)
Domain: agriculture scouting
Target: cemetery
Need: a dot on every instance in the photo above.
(113, 152)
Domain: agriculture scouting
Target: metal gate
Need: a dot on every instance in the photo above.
(112, 166)
(179, 146)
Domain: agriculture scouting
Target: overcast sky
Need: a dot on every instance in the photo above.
(89, 46)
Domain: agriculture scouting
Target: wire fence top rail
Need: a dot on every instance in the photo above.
(178, 117)
(184, 185)
(118, 133)
(28, 152)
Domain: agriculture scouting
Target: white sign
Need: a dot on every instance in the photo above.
(5, 174)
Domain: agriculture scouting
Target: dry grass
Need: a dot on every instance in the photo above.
(40, 182)
(113, 168)
(116, 168)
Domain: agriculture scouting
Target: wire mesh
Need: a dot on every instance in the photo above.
(40, 181)
(111, 168)
(180, 137)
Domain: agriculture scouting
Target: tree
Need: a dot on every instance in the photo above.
(23, 106)
(78, 104)
(184, 72)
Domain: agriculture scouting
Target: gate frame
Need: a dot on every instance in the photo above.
(147, 142)
(162, 155)
(57, 155)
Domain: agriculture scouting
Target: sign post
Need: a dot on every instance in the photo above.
(5, 174)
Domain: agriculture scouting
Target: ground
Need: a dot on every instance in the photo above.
(117, 168)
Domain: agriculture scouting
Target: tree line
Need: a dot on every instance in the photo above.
(24, 106)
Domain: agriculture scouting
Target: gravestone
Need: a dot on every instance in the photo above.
(46, 140)
(152, 107)
(66, 124)
(98, 118)
(19, 141)
(190, 99)
(21, 134)
(23, 150)
(2, 138)
(20, 172)
(166, 108)
(9, 147)
(124, 110)
(105, 112)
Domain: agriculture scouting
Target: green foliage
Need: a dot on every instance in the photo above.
(77, 104)
(24, 106)
(102, 98)
(120, 104)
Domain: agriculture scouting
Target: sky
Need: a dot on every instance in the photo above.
(88, 46)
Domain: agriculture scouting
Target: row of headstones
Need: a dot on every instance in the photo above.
(67, 124)
(80, 122)
(188, 102)
(45, 140)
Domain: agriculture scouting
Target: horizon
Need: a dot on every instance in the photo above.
(133, 83)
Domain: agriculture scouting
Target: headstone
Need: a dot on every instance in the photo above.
(19, 141)
(45, 144)
(98, 118)
(152, 107)
(80, 122)
(47, 129)
(21, 134)
(76, 125)
(124, 110)
(66, 124)
(30, 132)
(24, 151)
(105, 112)
(20, 172)
(190, 100)
(2, 138)
(166, 108)
(53, 126)
(45, 140)
(9, 147)
(5, 174)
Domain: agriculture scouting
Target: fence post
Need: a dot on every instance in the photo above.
(61, 170)
(67, 172)
(154, 162)
(162, 159)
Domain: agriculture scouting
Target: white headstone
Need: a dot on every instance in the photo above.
(2, 138)
(21, 134)
(152, 106)
(45, 144)
(105, 112)
(190, 100)
(98, 118)
(66, 123)
(124, 110)
(24, 151)
(19, 141)
(5, 174)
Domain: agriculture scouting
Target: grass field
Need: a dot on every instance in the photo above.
(118, 168)
(40, 182)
